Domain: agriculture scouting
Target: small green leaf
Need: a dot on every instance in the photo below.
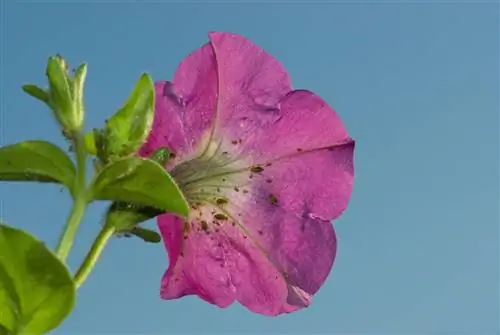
(90, 143)
(36, 290)
(125, 219)
(140, 181)
(61, 99)
(125, 216)
(147, 235)
(36, 92)
(66, 94)
(129, 127)
(36, 161)
(78, 84)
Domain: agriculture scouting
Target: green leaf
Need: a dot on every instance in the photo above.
(140, 181)
(36, 92)
(90, 143)
(36, 161)
(9, 298)
(125, 216)
(78, 83)
(127, 130)
(36, 290)
(61, 98)
(147, 235)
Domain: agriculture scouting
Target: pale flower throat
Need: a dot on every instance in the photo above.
(212, 181)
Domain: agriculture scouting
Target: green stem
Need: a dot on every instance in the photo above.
(79, 202)
(93, 255)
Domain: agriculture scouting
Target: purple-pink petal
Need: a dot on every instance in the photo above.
(185, 107)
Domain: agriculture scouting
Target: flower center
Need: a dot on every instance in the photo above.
(212, 179)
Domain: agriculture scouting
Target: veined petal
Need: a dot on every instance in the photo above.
(185, 108)
(270, 270)
(273, 220)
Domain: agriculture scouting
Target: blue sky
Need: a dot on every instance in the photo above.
(417, 87)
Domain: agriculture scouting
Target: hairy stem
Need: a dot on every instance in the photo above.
(93, 255)
(79, 202)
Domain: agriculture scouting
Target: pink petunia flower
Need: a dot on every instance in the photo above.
(265, 169)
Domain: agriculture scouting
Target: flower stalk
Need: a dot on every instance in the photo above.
(79, 201)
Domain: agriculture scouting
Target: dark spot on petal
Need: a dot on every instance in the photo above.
(218, 189)
(240, 141)
(234, 142)
(220, 216)
(221, 201)
(186, 227)
(185, 237)
(269, 180)
(273, 200)
(250, 176)
(257, 169)
(204, 225)
(233, 224)
(182, 253)
(260, 232)
(299, 149)
(331, 148)
(224, 152)
(245, 237)
(245, 191)
(236, 188)
(216, 230)
(268, 164)
(223, 179)
(172, 155)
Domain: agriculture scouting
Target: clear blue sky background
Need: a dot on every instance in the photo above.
(417, 87)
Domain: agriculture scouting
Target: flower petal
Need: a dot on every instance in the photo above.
(185, 108)
(227, 263)
(167, 129)
(219, 267)
(287, 207)
(247, 75)
(196, 265)
(303, 122)
(300, 249)
(316, 183)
